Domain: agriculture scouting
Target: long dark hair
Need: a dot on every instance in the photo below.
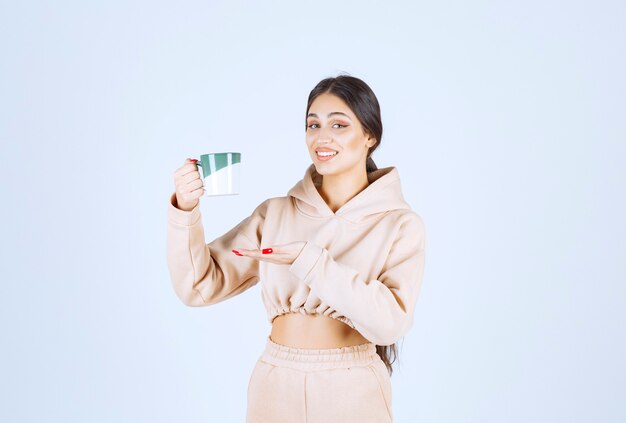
(361, 100)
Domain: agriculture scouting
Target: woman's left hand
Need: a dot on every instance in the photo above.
(278, 254)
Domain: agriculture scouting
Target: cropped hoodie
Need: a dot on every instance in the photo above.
(362, 265)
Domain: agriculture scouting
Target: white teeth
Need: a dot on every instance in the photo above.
(326, 153)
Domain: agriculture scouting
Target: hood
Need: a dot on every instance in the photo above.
(384, 193)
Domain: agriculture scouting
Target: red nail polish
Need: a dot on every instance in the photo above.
(237, 252)
(193, 160)
(267, 250)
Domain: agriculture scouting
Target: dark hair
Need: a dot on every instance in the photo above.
(361, 100)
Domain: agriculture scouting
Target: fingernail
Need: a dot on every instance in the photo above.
(193, 160)
(267, 250)
(237, 252)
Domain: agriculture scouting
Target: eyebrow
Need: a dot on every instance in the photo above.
(329, 115)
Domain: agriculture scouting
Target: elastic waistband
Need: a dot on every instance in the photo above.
(323, 358)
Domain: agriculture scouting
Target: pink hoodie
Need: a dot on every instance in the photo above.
(362, 265)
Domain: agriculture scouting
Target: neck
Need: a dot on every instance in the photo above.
(338, 189)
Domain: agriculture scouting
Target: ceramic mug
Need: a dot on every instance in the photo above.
(220, 173)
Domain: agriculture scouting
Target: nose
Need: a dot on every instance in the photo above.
(324, 136)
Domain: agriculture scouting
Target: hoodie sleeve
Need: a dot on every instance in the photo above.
(204, 274)
(380, 309)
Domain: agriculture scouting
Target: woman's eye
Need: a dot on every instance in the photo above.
(343, 126)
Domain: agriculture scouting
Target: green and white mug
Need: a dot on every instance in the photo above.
(220, 173)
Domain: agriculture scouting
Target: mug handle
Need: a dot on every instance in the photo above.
(201, 173)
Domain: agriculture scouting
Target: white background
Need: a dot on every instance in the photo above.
(506, 121)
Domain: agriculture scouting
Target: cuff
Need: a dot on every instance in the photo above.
(182, 217)
(305, 262)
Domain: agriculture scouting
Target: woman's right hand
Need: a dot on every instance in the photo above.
(189, 187)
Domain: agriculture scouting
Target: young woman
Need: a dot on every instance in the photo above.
(341, 260)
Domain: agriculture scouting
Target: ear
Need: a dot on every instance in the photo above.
(370, 141)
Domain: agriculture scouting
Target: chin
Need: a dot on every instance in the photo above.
(327, 168)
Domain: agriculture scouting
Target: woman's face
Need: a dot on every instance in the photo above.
(331, 125)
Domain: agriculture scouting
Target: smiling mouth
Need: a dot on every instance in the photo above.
(324, 156)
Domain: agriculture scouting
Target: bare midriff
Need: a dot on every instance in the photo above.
(313, 331)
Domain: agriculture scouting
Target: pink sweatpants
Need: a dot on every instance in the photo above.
(334, 385)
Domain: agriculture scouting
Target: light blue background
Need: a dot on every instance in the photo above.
(506, 121)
